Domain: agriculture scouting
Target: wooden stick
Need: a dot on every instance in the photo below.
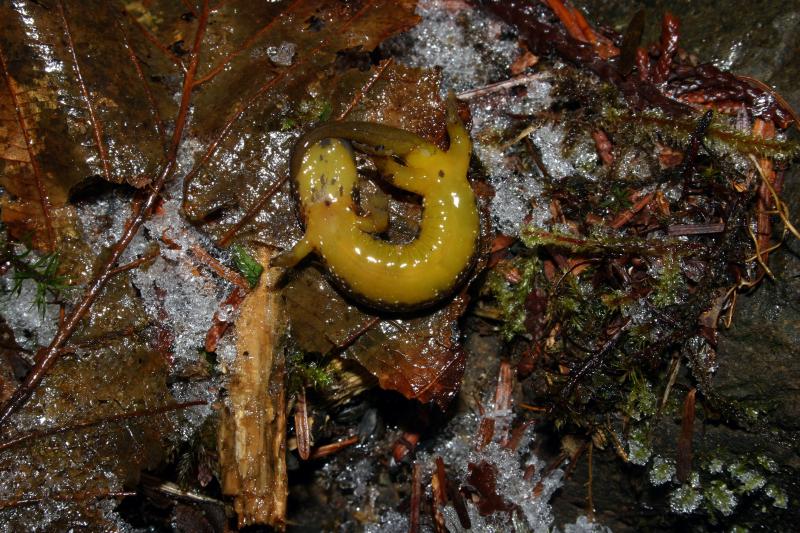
(252, 434)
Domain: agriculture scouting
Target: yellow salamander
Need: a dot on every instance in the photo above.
(382, 274)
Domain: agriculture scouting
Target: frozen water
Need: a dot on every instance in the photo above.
(390, 522)
(283, 54)
(721, 497)
(456, 41)
(549, 139)
(685, 500)
(639, 448)
(31, 328)
(584, 525)
(662, 470)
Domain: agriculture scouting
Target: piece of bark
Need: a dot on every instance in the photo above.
(252, 433)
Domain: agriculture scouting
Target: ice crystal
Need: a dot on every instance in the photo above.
(685, 500)
(721, 497)
(661, 471)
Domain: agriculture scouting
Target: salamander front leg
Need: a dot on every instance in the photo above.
(293, 256)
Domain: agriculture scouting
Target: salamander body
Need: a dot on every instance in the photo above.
(382, 274)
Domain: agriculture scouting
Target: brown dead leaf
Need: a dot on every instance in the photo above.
(251, 110)
(419, 356)
(74, 104)
(238, 190)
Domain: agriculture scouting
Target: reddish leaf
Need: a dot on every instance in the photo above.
(419, 357)
(483, 478)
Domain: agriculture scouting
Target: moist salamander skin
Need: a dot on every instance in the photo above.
(384, 275)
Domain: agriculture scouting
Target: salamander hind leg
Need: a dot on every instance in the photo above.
(374, 210)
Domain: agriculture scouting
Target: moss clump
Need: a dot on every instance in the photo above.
(778, 495)
(661, 471)
(750, 479)
(510, 296)
(43, 270)
(303, 373)
(639, 447)
(685, 499)
(720, 497)
(642, 402)
(670, 285)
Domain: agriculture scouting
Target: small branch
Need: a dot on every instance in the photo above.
(155, 42)
(65, 497)
(439, 492)
(365, 89)
(416, 498)
(171, 489)
(301, 427)
(103, 420)
(224, 272)
(353, 337)
(246, 45)
(595, 359)
(684, 459)
(626, 216)
(141, 212)
(226, 238)
(134, 264)
(502, 85)
(145, 86)
(252, 449)
(329, 449)
(695, 229)
(219, 326)
(190, 7)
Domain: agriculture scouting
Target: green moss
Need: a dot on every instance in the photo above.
(287, 124)
(642, 401)
(42, 270)
(639, 446)
(510, 297)
(720, 137)
(778, 495)
(304, 373)
(685, 499)
(326, 112)
(247, 265)
(750, 478)
(715, 466)
(767, 463)
(661, 471)
(670, 285)
(720, 497)
(317, 110)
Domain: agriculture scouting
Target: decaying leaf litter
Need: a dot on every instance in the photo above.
(249, 92)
